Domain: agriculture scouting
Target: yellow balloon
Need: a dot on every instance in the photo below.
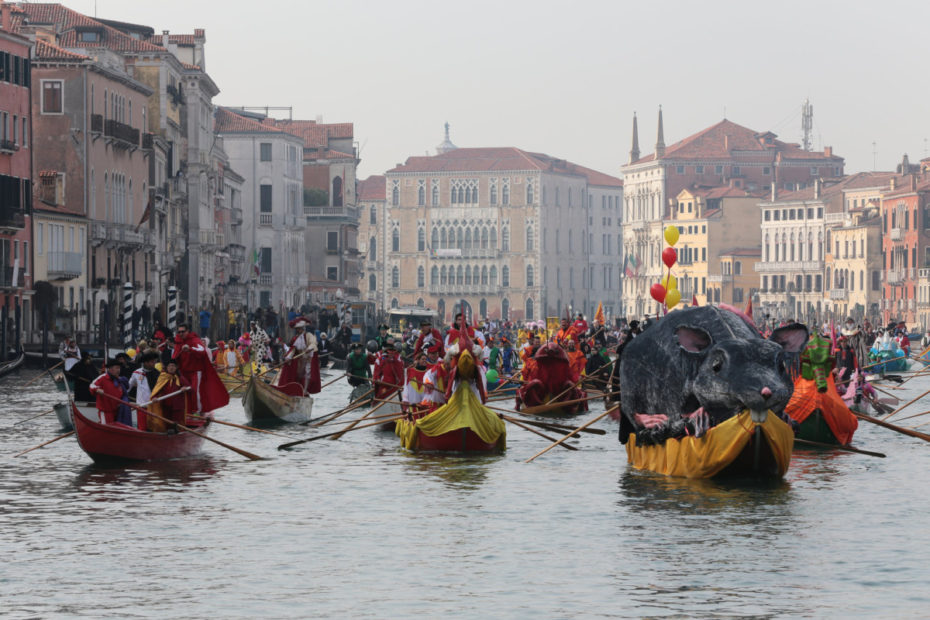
(669, 282)
(672, 297)
(131, 353)
(671, 234)
(158, 366)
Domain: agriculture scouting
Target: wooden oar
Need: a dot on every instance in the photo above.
(905, 405)
(33, 417)
(916, 415)
(889, 426)
(243, 427)
(886, 393)
(373, 417)
(572, 387)
(571, 434)
(334, 380)
(329, 417)
(557, 405)
(533, 430)
(353, 424)
(817, 444)
(922, 373)
(559, 428)
(68, 434)
(248, 455)
(42, 374)
(286, 446)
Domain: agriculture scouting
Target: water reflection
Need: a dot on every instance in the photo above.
(458, 472)
(163, 474)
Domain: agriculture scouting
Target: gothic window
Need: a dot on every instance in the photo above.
(395, 194)
(443, 243)
(435, 238)
(395, 277)
(395, 240)
(529, 276)
(493, 192)
(459, 239)
(529, 310)
(459, 276)
(505, 309)
(372, 215)
(373, 249)
(529, 192)
(467, 275)
(443, 276)
(505, 276)
(493, 238)
(372, 283)
(435, 196)
(505, 239)
(421, 276)
(394, 302)
(421, 239)
(529, 238)
(434, 276)
(493, 275)
(461, 195)
(337, 192)
(468, 238)
(483, 307)
(421, 195)
(505, 192)
(484, 238)
(484, 276)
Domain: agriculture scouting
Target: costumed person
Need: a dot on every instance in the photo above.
(300, 373)
(528, 355)
(259, 346)
(599, 370)
(580, 326)
(358, 366)
(207, 390)
(493, 355)
(69, 353)
(904, 343)
(414, 388)
(143, 380)
(464, 410)
(106, 388)
(427, 337)
(83, 374)
(389, 371)
(458, 327)
(233, 359)
(551, 377)
(577, 360)
(382, 336)
(857, 340)
(219, 357)
(508, 357)
(436, 378)
(323, 350)
(174, 408)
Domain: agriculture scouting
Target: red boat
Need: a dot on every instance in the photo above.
(460, 440)
(109, 443)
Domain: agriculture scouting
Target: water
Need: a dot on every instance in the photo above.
(359, 528)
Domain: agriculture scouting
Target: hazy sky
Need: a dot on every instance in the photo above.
(564, 78)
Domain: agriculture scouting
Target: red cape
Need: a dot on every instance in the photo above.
(288, 380)
(213, 393)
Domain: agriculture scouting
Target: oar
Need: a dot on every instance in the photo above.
(886, 393)
(373, 417)
(905, 405)
(69, 433)
(243, 427)
(899, 429)
(286, 446)
(33, 417)
(557, 405)
(574, 432)
(916, 415)
(334, 380)
(329, 417)
(817, 444)
(922, 373)
(534, 431)
(559, 428)
(572, 387)
(248, 455)
(353, 424)
(42, 374)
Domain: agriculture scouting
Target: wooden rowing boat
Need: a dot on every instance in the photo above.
(463, 424)
(738, 446)
(63, 411)
(118, 443)
(265, 405)
(11, 365)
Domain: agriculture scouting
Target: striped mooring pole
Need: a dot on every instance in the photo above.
(172, 308)
(127, 314)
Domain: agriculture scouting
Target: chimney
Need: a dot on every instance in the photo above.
(894, 183)
(199, 33)
(164, 39)
(774, 191)
(816, 189)
(828, 151)
(913, 182)
(5, 18)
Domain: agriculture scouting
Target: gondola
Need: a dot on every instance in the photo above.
(11, 365)
(118, 443)
(738, 446)
(267, 406)
(461, 425)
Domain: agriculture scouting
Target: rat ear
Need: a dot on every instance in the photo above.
(791, 337)
(693, 339)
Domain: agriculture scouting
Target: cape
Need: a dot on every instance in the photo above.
(213, 393)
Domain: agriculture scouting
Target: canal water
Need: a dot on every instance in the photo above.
(359, 528)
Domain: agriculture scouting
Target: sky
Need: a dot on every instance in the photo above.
(565, 78)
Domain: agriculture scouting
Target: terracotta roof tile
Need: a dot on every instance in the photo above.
(315, 135)
(49, 51)
(327, 154)
(66, 21)
(372, 188)
(227, 121)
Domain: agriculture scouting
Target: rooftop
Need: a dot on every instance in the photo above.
(372, 188)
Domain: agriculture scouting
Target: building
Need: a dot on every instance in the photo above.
(512, 234)
(712, 221)
(372, 208)
(737, 282)
(273, 230)
(905, 209)
(16, 213)
(722, 155)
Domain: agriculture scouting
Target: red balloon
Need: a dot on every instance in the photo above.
(658, 292)
(669, 256)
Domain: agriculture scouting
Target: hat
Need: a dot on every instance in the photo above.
(425, 322)
(355, 345)
(113, 362)
(435, 348)
(383, 326)
(148, 356)
(300, 321)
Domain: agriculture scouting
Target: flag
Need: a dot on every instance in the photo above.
(695, 303)
(627, 270)
(635, 263)
(599, 313)
(748, 310)
(432, 252)
(257, 262)
(146, 214)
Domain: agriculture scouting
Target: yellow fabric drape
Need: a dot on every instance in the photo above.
(709, 455)
(464, 410)
(154, 424)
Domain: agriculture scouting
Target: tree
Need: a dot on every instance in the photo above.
(315, 197)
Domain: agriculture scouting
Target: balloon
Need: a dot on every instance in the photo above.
(159, 367)
(672, 297)
(669, 256)
(669, 281)
(671, 234)
(658, 292)
(131, 353)
(492, 376)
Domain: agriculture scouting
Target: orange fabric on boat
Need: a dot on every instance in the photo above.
(836, 414)
(707, 456)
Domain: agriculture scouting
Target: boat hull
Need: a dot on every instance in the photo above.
(13, 364)
(117, 443)
(460, 440)
(815, 428)
(64, 416)
(266, 406)
(736, 447)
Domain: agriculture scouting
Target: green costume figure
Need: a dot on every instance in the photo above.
(816, 361)
(357, 365)
(493, 358)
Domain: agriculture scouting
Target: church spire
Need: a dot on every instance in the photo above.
(446, 144)
(660, 139)
(634, 152)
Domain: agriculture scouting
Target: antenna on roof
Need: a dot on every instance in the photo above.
(807, 124)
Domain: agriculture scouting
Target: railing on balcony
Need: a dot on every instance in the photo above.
(468, 253)
(64, 265)
(12, 219)
(895, 234)
(236, 252)
(838, 293)
(474, 289)
(895, 276)
(264, 219)
(121, 132)
(782, 266)
(349, 212)
(8, 146)
(7, 280)
(265, 279)
(720, 277)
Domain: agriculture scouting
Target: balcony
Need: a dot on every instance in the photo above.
(65, 265)
(347, 212)
(96, 123)
(148, 141)
(8, 146)
(264, 219)
(895, 234)
(6, 277)
(785, 266)
(265, 279)
(838, 294)
(447, 253)
(12, 219)
(235, 290)
(720, 277)
(236, 215)
(123, 134)
(236, 252)
(469, 289)
(895, 276)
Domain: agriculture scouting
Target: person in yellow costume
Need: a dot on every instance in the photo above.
(174, 408)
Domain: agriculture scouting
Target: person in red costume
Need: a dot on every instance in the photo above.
(580, 325)
(453, 334)
(207, 390)
(300, 374)
(428, 336)
(389, 369)
(108, 387)
(566, 332)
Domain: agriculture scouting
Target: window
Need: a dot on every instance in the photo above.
(505, 275)
(421, 276)
(264, 151)
(395, 277)
(529, 238)
(266, 260)
(766, 171)
(736, 171)
(421, 239)
(51, 97)
(435, 192)
(421, 195)
(40, 238)
(25, 134)
(395, 194)
(395, 240)
(434, 276)
(505, 192)
(718, 170)
(699, 169)
(372, 215)
(529, 276)
(372, 282)
(337, 192)
(265, 198)
(332, 242)
(529, 192)
(372, 249)
(493, 191)
(332, 273)
(529, 310)
(680, 170)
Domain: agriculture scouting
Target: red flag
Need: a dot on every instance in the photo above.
(146, 213)
(694, 300)
(748, 310)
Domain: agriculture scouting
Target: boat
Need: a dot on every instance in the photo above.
(63, 411)
(236, 386)
(738, 446)
(11, 365)
(266, 405)
(822, 416)
(463, 424)
(118, 443)
(359, 391)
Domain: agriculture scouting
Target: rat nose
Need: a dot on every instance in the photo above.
(766, 392)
